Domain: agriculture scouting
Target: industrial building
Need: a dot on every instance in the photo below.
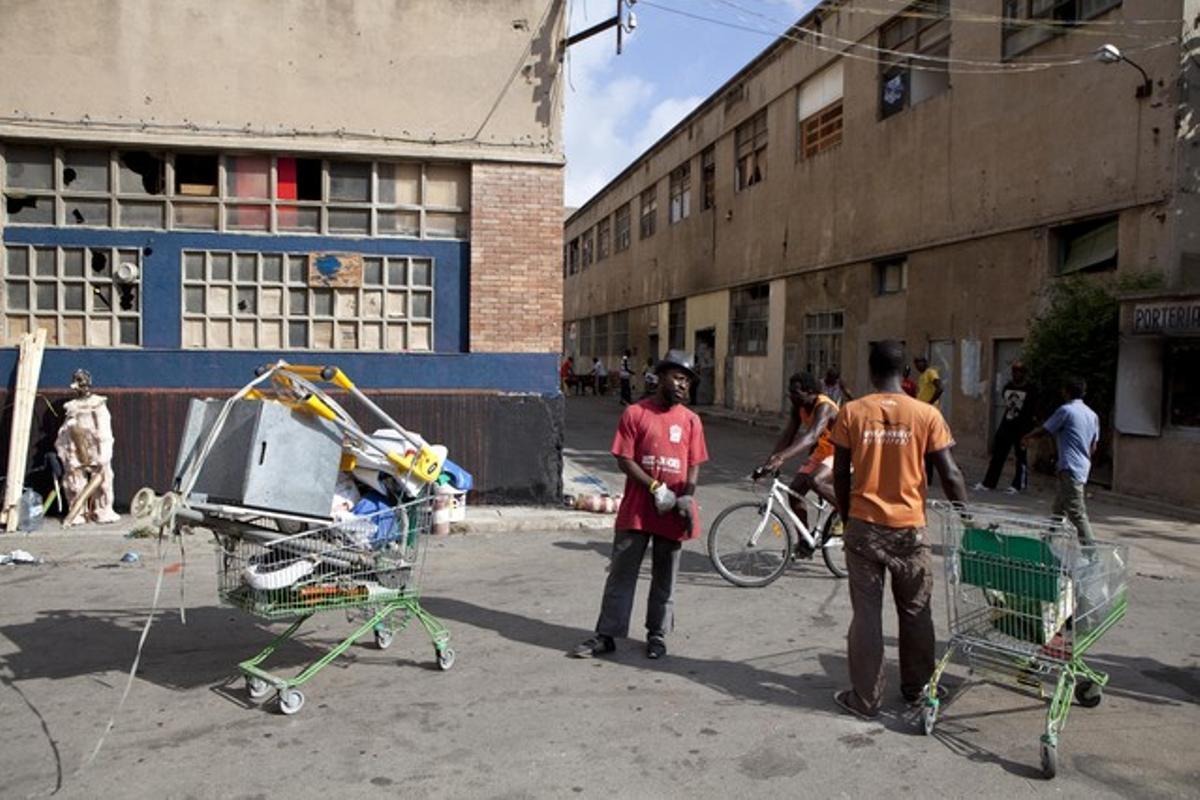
(920, 172)
(177, 175)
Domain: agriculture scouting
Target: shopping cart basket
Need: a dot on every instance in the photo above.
(1026, 603)
(369, 567)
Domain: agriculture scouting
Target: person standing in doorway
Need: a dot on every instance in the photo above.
(929, 382)
(1076, 432)
(599, 376)
(659, 446)
(1016, 421)
(627, 378)
(884, 438)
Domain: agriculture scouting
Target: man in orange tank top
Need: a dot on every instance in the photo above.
(886, 438)
(812, 412)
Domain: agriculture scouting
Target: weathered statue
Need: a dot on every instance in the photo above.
(85, 445)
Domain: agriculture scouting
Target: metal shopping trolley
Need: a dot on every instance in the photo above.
(259, 471)
(1026, 603)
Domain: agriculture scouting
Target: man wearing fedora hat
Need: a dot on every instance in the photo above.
(659, 446)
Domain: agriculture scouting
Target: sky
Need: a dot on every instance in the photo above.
(617, 106)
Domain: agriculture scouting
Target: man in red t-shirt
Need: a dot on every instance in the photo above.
(659, 446)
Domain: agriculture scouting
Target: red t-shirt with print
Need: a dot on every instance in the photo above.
(666, 443)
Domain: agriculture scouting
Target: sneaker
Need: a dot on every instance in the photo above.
(655, 648)
(598, 645)
(979, 487)
(1012, 490)
(845, 699)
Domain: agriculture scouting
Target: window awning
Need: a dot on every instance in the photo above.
(1091, 248)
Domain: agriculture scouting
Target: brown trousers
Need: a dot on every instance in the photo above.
(871, 551)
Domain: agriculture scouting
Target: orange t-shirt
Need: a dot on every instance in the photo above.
(823, 449)
(888, 436)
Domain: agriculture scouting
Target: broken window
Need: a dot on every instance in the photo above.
(680, 193)
(29, 184)
(252, 300)
(587, 248)
(1028, 23)
(890, 275)
(1089, 246)
(819, 111)
(573, 256)
(619, 331)
(749, 315)
(750, 141)
(823, 341)
(914, 48)
(648, 219)
(621, 225)
(49, 287)
(708, 178)
(603, 238)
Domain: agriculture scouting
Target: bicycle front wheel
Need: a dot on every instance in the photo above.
(747, 547)
(832, 547)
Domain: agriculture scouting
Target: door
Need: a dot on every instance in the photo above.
(706, 367)
(652, 352)
(941, 358)
(1004, 353)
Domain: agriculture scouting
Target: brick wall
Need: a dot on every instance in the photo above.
(516, 258)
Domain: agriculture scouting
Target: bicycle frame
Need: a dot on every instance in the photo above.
(778, 496)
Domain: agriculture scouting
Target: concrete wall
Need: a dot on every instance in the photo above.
(463, 78)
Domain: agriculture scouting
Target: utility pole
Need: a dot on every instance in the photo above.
(624, 20)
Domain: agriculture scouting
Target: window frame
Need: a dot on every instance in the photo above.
(1172, 371)
(918, 33)
(749, 320)
(677, 324)
(750, 151)
(603, 238)
(708, 178)
(824, 331)
(622, 228)
(587, 248)
(1026, 29)
(680, 193)
(648, 212)
(879, 275)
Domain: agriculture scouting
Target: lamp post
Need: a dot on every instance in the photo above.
(1111, 54)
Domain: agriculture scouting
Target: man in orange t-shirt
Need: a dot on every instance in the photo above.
(886, 437)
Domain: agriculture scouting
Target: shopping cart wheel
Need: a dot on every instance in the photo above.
(929, 718)
(1049, 760)
(383, 639)
(1088, 694)
(445, 658)
(290, 701)
(257, 688)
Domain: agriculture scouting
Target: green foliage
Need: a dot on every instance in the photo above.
(1076, 334)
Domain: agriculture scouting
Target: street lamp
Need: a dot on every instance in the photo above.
(1111, 54)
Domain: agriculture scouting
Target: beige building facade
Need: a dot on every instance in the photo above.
(922, 176)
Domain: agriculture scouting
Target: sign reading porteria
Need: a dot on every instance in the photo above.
(1178, 317)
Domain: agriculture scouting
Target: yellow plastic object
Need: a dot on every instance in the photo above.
(255, 394)
(425, 464)
(314, 373)
(314, 404)
(348, 463)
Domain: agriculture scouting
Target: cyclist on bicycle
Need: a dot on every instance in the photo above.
(814, 412)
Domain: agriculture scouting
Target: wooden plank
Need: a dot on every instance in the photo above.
(29, 369)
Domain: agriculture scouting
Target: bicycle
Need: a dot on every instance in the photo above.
(751, 543)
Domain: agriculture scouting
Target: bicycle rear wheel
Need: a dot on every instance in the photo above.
(743, 554)
(832, 549)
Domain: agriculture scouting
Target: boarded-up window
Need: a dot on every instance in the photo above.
(750, 141)
(819, 111)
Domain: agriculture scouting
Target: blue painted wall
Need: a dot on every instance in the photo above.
(160, 363)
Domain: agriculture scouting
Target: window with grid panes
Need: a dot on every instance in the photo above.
(586, 350)
(708, 178)
(917, 68)
(247, 301)
(750, 144)
(74, 293)
(45, 184)
(603, 238)
(621, 225)
(823, 341)
(749, 314)
(677, 325)
(573, 256)
(680, 193)
(1028, 23)
(600, 336)
(819, 111)
(587, 247)
(649, 212)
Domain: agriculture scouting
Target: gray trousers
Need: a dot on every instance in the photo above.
(629, 548)
(1069, 503)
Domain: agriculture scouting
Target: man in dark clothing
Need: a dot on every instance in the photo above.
(659, 446)
(1019, 402)
(627, 378)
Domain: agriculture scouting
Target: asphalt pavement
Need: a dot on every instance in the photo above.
(742, 705)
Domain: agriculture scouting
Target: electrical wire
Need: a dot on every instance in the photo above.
(815, 39)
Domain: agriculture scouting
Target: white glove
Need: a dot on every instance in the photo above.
(664, 498)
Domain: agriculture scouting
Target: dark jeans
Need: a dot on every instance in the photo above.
(626, 391)
(1008, 437)
(629, 548)
(873, 552)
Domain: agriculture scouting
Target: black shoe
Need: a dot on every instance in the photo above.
(598, 645)
(655, 648)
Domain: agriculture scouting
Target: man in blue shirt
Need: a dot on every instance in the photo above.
(1076, 432)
